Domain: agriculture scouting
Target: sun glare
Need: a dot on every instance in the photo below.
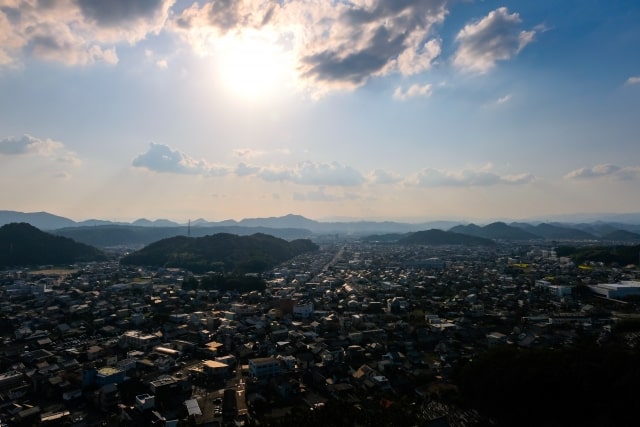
(252, 67)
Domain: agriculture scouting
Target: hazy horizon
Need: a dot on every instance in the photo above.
(630, 218)
(419, 110)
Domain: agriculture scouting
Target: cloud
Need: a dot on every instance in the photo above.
(604, 171)
(467, 178)
(76, 32)
(247, 153)
(380, 176)
(633, 80)
(311, 173)
(28, 144)
(496, 37)
(246, 170)
(223, 16)
(321, 196)
(414, 91)
(337, 44)
(504, 99)
(163, 159)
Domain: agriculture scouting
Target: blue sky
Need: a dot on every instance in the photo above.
(369, 109)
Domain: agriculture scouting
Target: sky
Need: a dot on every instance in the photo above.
(406, 110)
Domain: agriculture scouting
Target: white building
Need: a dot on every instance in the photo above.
(617, 290)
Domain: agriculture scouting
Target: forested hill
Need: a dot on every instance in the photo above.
(220, 252)
(22, 244)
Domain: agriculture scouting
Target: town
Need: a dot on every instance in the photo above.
(101, 344)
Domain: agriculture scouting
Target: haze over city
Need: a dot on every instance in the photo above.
(368, 109)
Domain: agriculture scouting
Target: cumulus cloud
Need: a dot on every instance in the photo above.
(337, 44)
(163, 159)
(413, 91)
(496, 37)
(467, 178)
(76, 32)
(633, 80)
(380, 176)
(603, 171)
(27, 144)
(334, 44)
(311, 173)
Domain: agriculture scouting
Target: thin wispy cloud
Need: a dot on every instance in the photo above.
(633, 80)
(504, 99)
(413, 91)
(321, 195)
(604, 170)
(429, 177)
(314, 173)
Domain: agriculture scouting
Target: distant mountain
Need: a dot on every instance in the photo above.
(495, 230)
(22, 244)
(293, 226)
(555, 232)
(143, 222)
(622, 236)
(41, 220)
(439, 237)
(105, 236)
(385, 238)
(220, 252)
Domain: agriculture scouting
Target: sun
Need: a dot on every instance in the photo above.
(252, 66)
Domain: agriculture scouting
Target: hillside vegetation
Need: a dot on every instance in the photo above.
(22, 244)
(221, 252)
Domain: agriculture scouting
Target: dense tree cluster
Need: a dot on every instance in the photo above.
(621, 255)
(22, 244)
(224, 253)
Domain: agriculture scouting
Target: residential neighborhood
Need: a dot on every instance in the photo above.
(103, 344)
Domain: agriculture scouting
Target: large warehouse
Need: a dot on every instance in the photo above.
(617, 290)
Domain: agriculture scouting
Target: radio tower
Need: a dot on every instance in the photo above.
(189, 228)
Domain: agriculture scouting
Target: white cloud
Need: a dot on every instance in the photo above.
(466, 178)
(321, 195)
(504, 99)
(247, 153)
(163, 159)
(28, 144)
(311, 173)
(633, 80)
(413, 91)
(496, 37)
(76, 32)
(380, 176)
(604, 170)
(337, 44)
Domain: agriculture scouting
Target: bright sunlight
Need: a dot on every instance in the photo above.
(252, 67)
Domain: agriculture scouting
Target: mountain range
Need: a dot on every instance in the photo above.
(102, 233)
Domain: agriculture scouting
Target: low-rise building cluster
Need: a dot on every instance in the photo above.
(104, 344)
